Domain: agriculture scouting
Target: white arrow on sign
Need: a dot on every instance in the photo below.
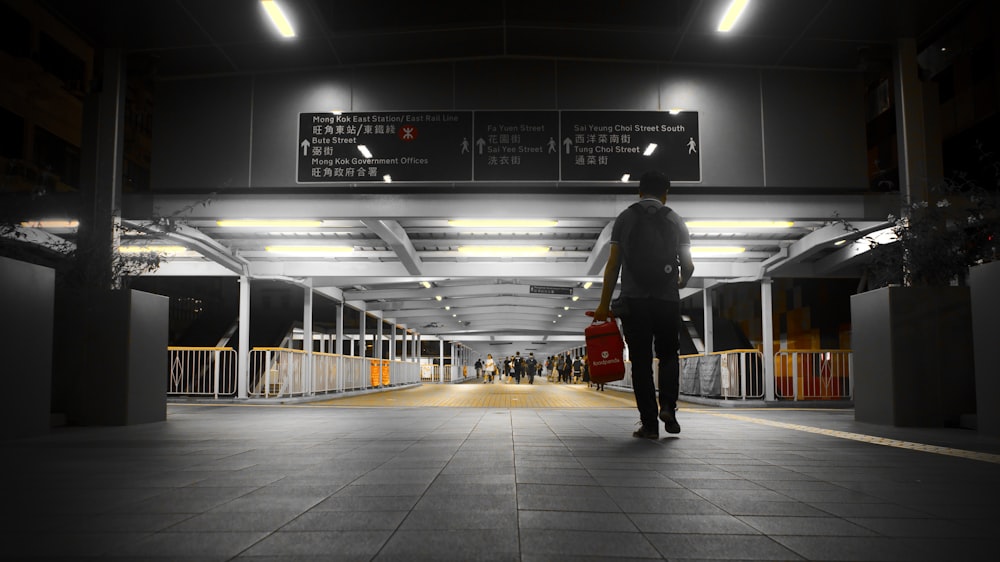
(305, 147)
(568, 143)
(480, 143)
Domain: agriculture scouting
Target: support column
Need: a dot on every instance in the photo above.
(307, 338)
(243, 359)
(362, 352)
(392, 346)
(379, 340)
(441, 360)
(767, 335)
(339, 346)
(910, 128)
(709, 339)
(102, 162)
(417, 351)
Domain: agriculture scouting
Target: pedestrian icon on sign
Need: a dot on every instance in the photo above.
(465, 145)
(692, 146)
(552, 145)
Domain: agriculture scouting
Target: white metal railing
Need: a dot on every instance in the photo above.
(201, 371)
(278, 371)
(813, 374)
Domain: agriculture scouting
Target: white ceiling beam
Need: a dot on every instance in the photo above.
(396, 238)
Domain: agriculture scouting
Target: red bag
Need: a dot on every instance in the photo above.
(605, 351)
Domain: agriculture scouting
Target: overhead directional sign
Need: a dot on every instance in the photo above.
(397, 146)
(606, 145)
(465, 146)
(516, 145)
(549, 290)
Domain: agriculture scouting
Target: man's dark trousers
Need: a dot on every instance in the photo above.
(653, 322)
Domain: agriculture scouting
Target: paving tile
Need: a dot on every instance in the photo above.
(585, 543)
(691, 524)
(575, 521)
(449, 545)
(808, 526)
(720, 547)
(332, 544)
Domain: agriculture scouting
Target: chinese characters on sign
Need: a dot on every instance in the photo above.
(462, 146)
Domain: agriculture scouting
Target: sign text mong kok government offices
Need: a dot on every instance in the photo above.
(484, 146)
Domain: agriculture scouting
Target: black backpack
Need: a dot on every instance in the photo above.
(650, 248)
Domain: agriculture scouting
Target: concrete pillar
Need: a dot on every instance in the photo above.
(767, 334)
(339, 347)
(910, 129)
(709, 326)
(243, 359)
(307, 337)
(362, 351)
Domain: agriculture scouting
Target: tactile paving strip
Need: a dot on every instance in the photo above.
(974, 455)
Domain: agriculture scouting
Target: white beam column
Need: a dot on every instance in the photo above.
(767, 334)
(392, 346)
(709, 339)
(361, 332)
(243, 359)
(379, 337)
(339, 346)
(307, 336)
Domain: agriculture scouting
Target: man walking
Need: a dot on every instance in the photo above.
(651, 248)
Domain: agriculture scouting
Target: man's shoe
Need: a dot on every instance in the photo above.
(669, 420)
(647, 433)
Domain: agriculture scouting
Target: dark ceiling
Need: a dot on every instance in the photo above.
(208, 37)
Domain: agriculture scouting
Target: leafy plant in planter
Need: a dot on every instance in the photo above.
(935, 242)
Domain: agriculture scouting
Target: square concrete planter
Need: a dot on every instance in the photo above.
(913, 363)
(984, 284)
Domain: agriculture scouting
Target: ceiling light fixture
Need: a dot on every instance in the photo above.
(364, 151)
(148, 249)
(438, 297)
(426, 284)
(387, 178)
(51, 224)
(740, 224)
(716, 250)
(733, 13)
(309, 250)
(503, 251)
(649, 149)
(840, 242)
(674, 111)
(268, 223)
(278, 17)
(503, 223)
(575, 298)
(625, 177)
(588, 284)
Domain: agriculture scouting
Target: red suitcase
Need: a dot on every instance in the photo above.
(605, 351)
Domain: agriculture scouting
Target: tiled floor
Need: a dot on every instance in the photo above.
(328, 483)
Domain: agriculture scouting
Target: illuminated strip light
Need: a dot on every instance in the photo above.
(426, 284)
(503, 251)
(268, 223)
(733, 13)
(278, 18)
(364, 151)
(739, 224)
(503, 223)
(674, 111)
(649, 149)
(151, 249)
(717, 250)
(51, 224)
(625, 177)
(588, 284)
(309, 250)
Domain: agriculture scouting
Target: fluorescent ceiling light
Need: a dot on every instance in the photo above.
(447, 308)
(503, 251)
(51, 224)
(426, 284)
(268, 223)
(674, 111)
(625, 177)
(278, 17)
(733, 13)
(387, 178)
(649, 149)
(309, 250)
(716, 250)
(438, 297)
(740, 224)
(565, 308)
(154, 248)
(364, 151)
(840, 242)
(575, 298)
(588, 284)
(503, 223)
